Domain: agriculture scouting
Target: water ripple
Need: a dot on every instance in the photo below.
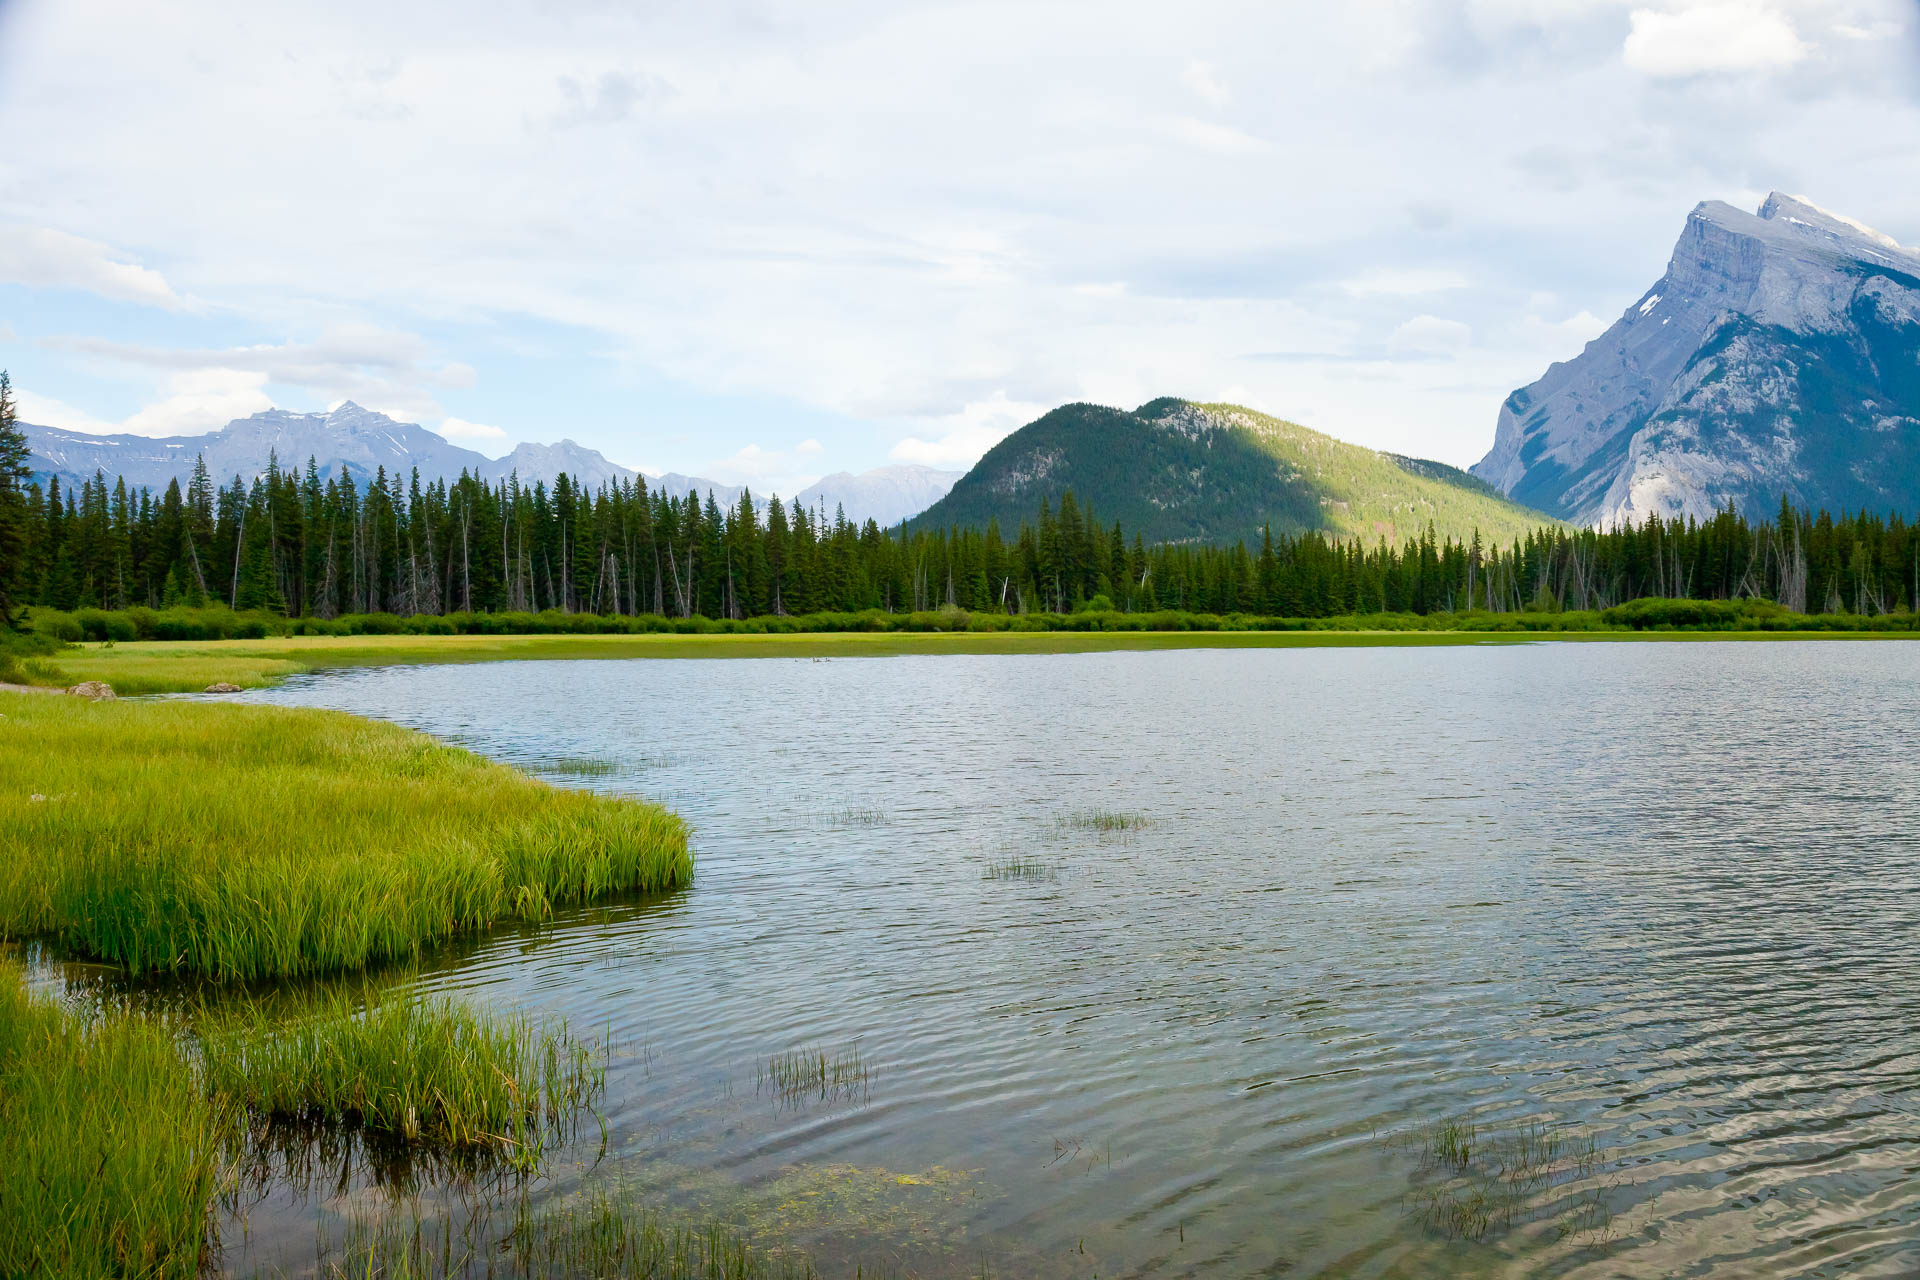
(1665, 898)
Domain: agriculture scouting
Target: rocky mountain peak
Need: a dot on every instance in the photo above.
(1775, 356)
(1810, 219)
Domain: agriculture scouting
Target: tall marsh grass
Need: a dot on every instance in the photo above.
(417, 1070)
(118, 1128)
(598, 1236)
(238, 842)
(110, 1151)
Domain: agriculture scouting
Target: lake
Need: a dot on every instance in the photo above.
(1554, 960)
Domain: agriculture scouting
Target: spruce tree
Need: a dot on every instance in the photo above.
(14, 475)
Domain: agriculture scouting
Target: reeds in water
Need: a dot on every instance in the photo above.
(1475, 1180)
(110, 1151)
(1021, 867)
(600, 1236)
(240, 842)
(578, 767)
(1107, 821)
(848, 816)
(800, 1076)
(420, 1070)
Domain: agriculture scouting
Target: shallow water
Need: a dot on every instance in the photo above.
(1659, 898)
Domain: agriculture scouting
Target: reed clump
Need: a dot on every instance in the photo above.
(112, 1150)
(1475, 1180)
(799, 1076)
(1021, 867)
(418, 1070)
(579, 766)
(598, 1236)
(238, 842)
(1107, 821)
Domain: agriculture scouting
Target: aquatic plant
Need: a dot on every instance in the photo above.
(422, 1070)
(1021, 867)
(241, 842)
(578, 766)
(811, 1074)
(850, 815)
(1107, 821)
(598, 1236)
(1473, 1180)
(113, 1152)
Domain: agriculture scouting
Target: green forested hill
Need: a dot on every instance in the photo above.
(1184, 472)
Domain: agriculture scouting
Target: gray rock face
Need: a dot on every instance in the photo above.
(358, 442)
(1778, 356)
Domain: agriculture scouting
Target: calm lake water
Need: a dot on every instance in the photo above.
(1174, 964)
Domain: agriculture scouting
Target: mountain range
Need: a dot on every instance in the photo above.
(1176, 471)
(357, 442)
(1778, 356)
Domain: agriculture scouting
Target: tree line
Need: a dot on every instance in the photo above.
(300, 542)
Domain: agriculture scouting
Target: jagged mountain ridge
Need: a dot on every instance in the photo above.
(1778, 355)
(1176, 471)
(350, 440)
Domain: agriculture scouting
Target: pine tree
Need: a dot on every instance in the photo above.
(14, 475)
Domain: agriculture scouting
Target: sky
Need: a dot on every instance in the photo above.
(758, 242)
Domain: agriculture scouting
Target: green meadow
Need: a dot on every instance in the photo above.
(180, 666)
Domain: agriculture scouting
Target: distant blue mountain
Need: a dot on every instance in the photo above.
(358, 442)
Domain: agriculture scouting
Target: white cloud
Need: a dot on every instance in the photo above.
(46, 259)
(892, 215)
(959, 439)
(1205, 135)
(1707, 38)
(189, 403)
(1430, 336)
(1205, 83)
(201, 400)
(371, 366)
(765, 471)
(809, 446)
(1581, 327)
(461, 429)
(1886, 30)
(1406, 282)
(44, 411)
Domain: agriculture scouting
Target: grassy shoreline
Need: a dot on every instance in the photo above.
(238, 843)
(228, 845)
(188, 666)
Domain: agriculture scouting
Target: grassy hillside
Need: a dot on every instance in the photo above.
(1177, 471)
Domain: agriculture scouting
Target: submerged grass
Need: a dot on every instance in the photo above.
(578, 766)
(600, 1236)
(119, 1127)
(849, 816)
(1107, 821)
(112, 1150)
(1021, 867)
(239, 842)
(800, 1076)
(417, 1070)
(1475, 1180)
